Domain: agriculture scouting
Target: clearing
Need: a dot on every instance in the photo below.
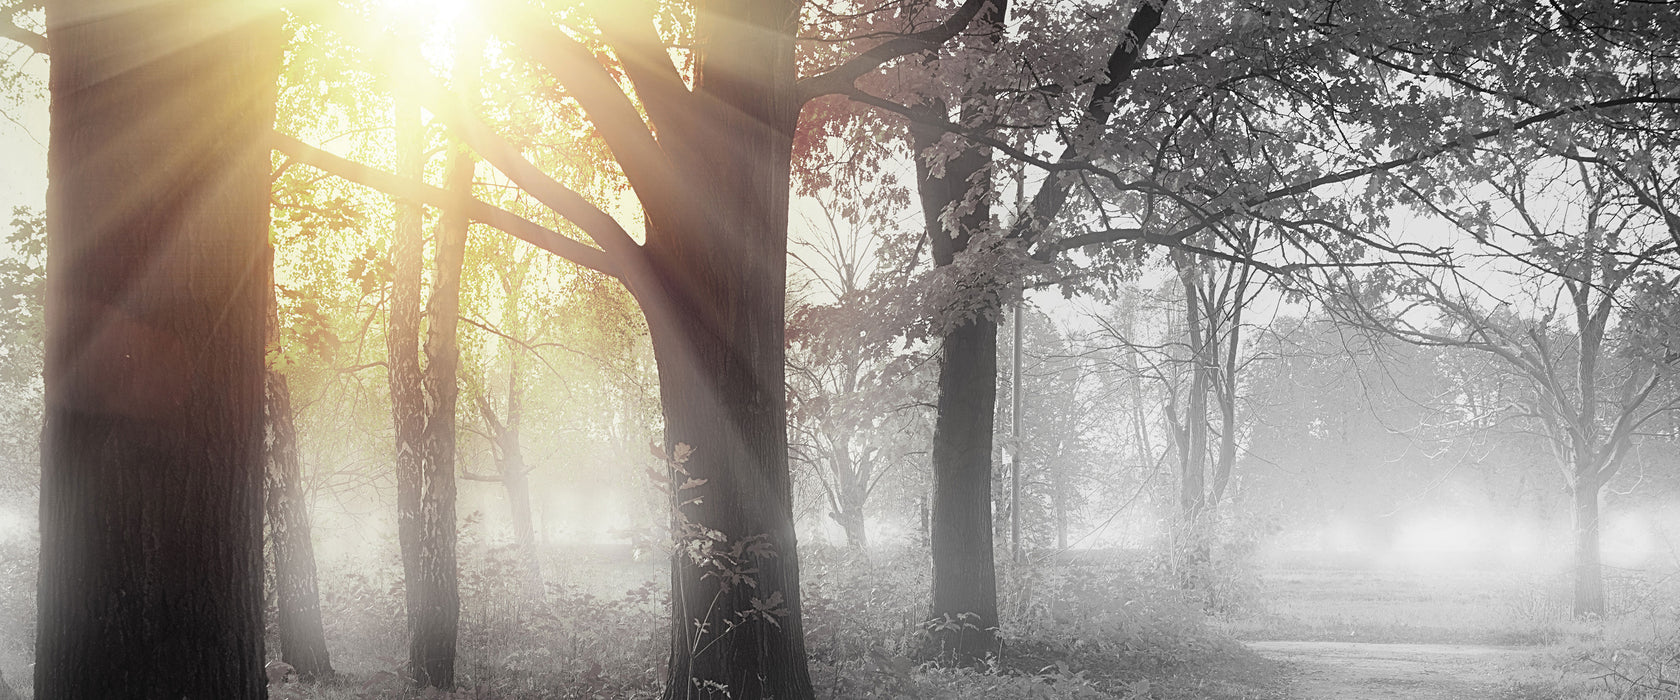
(1367, 671)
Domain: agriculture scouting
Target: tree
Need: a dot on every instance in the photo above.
(1596, 348)
(303, 640)
(711, 167)
(954, 183)
(151, 488)
(1214, 294)
(846, 385)
(503, 427)
(423, 398)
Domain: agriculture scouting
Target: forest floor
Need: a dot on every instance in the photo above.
(1393, 630)
(1367, 671)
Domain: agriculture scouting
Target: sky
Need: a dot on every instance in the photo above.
(23, 150)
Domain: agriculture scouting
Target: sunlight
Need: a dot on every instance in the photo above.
(431, 13)
(438, 22)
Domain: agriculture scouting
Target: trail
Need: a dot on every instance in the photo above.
(1360, 671)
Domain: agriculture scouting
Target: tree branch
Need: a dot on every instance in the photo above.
(842, 77)
(396, 186)
(600, 226)
(1464, 141)
(628, 28)
(644, 163)
(9, 28)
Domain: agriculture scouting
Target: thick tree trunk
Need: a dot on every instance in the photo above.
(714, 297)
(1589, 573)
(965, 613)
(423, 410)
(151, 475)
(303, 641)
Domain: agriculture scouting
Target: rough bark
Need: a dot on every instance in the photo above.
(1589, 573)
(1015, 440)
(852, 476)
(408, 404)
(303, 640)
(151, 478)
(714, 298)
(963, 617)
(433, 644)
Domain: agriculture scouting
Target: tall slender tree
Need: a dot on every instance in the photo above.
(303, 639)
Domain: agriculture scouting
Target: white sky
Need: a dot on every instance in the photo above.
(23, 152)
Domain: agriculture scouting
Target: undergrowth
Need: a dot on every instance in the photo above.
(1097, 628)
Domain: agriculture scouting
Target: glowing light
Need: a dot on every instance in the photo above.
(431, 12)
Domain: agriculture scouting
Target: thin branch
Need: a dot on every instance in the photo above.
(842, 77)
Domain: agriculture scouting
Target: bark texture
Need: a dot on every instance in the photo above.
(714, 299)
(303, 640)
(423, 412)
(151, 479)
(964, 616)
(1589, 571)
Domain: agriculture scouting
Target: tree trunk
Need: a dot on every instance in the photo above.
(1059, 491)
(151, 475)
(1015, 438)
(510, 464)
(963, 616)
(1193, 501)
(721, 392)
(714, 295)
(423, 410)
(852, 481)
(505, 431)
(965, 613)
(438, 615)
(1589, 574)
(6, 691)
(303, 641)
(408, 407)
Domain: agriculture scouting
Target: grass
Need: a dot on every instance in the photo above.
(1631, 654)
(1103, 628)
(1407, 606)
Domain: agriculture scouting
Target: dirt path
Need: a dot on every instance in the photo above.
(1358, 671)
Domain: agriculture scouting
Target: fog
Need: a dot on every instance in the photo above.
(383, 350)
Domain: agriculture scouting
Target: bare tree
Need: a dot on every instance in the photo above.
(1566, 278)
